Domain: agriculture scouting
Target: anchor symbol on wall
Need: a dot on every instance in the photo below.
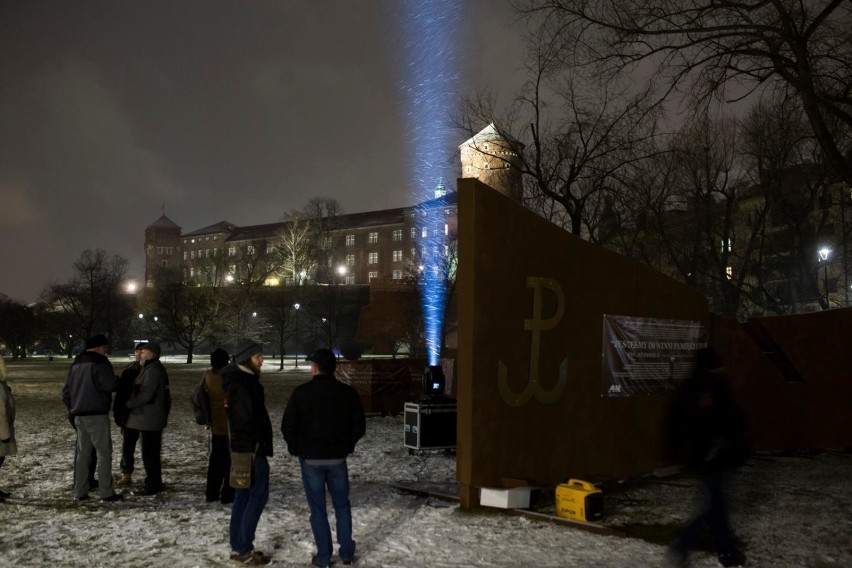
(536, 325)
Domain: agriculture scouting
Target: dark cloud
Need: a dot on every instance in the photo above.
(222, 110)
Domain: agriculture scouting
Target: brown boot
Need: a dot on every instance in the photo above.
(125, 480)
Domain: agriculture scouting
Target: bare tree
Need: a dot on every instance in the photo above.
(93, 295)
(186, 315)
(573, 134)
(322, 214)
(723, 49)
(294, 249)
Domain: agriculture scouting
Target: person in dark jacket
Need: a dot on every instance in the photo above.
(709, 435)
(149, 408)
(129, 436)
(323, 421)
(219, 464)
(251, 434)
(87, 394)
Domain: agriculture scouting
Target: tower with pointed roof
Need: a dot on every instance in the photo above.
(162, 248)
(493, 159)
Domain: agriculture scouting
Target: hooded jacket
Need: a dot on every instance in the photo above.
(90, 384)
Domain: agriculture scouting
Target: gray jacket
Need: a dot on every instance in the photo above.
(151, 400)
(90, 384)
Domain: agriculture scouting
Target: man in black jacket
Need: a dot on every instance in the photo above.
(129, 436)
(148, 414)
(87, 394)
(251, 436)
(323, 421)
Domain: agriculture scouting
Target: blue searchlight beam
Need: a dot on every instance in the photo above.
(429, 87)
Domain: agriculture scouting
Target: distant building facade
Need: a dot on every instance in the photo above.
(350, 249)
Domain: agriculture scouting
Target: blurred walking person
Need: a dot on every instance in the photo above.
(149, 408)
(8, 445)
(129, 436)
(709, 435)
(323, 421)
(87, 394)
(251, 446)
(219, 463)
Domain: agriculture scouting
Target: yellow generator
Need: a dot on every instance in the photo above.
(580, 501)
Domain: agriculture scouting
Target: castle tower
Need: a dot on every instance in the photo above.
(493, 159)
(162, 248)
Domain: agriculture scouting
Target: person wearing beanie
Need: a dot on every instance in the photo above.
(87, 394)
(251, 436)
(129, 436)
(149, 407)
(219, 464)
(323, 421)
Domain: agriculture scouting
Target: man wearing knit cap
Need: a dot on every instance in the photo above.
(129, 436)
(87, 394)
(323, 421)
(251, 435)
(149, 412)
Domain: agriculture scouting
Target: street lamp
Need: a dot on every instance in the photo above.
(824, 253)
(296, 307)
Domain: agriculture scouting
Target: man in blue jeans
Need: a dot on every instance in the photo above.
(323, 421)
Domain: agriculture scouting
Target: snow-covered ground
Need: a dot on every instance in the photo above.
(788, 511)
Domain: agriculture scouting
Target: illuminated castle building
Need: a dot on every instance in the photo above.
(347, 249)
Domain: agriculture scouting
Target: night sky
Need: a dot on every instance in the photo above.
(223, 110)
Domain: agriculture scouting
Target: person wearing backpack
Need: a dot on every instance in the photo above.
(149, 412)
(213, 402)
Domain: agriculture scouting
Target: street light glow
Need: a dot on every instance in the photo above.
(824, 252)
(341, 270)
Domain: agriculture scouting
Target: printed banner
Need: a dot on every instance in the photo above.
(646, 355)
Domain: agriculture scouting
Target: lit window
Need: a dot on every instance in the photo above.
(424, 233)
(350, 279)
(373, 238)
(350, 240)
(159, 250)
(250, 250)
(192, 255)
(726, 248)
(397, 256)
(232, 251)
(372, 274)
(350, 260)
(215, 252)
(373, 258)
(413, 252)
(729, 271)
(184, 255)
(191, 272)
(413, 232)
(397, 234)
(397, 274)
(446, 250)
(232, 269)
(270, 248)
(446, 229)
(206, 253)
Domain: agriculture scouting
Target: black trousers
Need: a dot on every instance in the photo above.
(129, 437)
(152, 442)
(219, 470)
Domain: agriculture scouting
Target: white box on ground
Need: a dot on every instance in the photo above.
(515, 498)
